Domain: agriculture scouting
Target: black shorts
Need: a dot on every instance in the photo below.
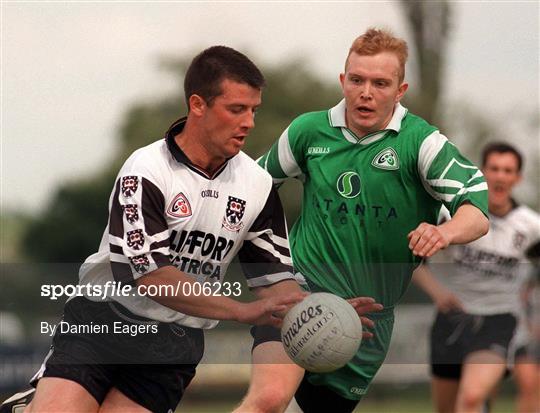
(528, 353)
(456, 334)
(263, 334)
(319, 399)
(102, 345)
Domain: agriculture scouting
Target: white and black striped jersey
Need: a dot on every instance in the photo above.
(487, 274)
(163, 210)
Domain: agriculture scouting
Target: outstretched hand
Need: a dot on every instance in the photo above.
(427, 239)
(365, 305)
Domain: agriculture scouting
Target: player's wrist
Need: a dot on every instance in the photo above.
(447, 232)
(238, 311)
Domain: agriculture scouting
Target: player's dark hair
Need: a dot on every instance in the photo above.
(208, 69)
(501, 147)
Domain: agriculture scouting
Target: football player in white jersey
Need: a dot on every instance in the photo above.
(180, 210)
(476, 290)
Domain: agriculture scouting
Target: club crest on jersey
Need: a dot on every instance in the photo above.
(129, 185)
(386, 159)
(348, 184)
(135, 239)
(519, 239)
(234, 214)
(131, 212)
(179, 207)
(140, 263)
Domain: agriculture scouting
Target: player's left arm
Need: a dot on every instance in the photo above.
(444, 299)
(451, 178)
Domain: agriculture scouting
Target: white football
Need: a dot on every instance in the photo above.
(321, 333)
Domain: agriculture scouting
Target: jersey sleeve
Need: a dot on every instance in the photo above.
(138, 231)
(265, 256)
(533, 251)
(444, 215)
(450, 177)
(533, 247)
(285, 158)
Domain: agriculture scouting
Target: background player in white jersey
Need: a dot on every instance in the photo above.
(477, 292)
(374, 179)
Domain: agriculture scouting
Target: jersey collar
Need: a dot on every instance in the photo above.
(515, 205)
(175, 150)
(179, 155)
(337, 119)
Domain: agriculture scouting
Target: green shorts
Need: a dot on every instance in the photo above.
(352, 380)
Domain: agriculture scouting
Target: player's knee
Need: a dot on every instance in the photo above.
(39, 407)
(471, 399)
(271, 399)
(528, 387)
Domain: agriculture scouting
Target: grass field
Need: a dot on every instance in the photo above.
(392, 405)
(380, 399)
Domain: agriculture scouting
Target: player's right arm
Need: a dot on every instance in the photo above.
(257, 312)
(442, 297)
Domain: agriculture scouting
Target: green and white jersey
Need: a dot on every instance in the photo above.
(363, 196)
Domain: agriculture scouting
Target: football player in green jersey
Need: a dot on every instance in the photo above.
(375, 177)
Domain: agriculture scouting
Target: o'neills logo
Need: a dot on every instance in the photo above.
(303, 318)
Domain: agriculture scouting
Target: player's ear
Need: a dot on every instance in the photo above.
(197, 105)
(401, 91)
(341, 79)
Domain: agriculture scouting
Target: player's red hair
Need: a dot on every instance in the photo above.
(375, 41)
